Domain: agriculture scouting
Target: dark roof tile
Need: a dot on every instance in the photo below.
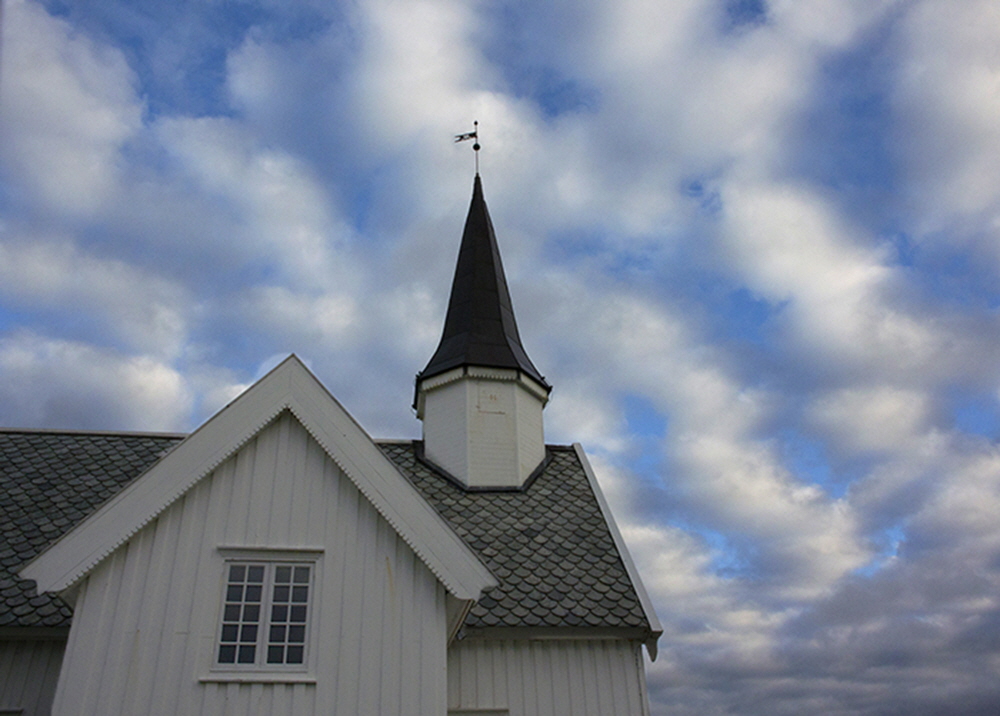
(548, 544)
(48, 482)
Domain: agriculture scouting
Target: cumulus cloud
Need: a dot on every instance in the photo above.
(808, 504)
(281, 211)
(925, 619)
(880, 419)
(68, 109)
(724, 475)
(323, 320)
(36, 273)
(948, 138)
(790, 247)
(61, 384)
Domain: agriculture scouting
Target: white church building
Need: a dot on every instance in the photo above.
(278, 560)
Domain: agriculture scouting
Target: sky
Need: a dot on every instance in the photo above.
(754, 245)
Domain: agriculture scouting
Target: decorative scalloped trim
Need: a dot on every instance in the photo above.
(446, 555)
(423, 557)
(252, 434)
(475, 371)
(501, 375)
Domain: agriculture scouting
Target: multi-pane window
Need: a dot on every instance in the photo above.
(264, 617)
(241, 614)
(286, 637)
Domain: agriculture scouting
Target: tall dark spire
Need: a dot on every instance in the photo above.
(479, 328)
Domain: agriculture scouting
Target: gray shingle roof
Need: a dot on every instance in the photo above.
(548, 544)
(50, 481)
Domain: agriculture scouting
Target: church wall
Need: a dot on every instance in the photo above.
(492, 433)
(445, 427)
(486, 432)
(530, 434)
(147, 620)
(29, 668)
(585, 677)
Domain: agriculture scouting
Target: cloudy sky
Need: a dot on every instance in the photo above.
(754, 245)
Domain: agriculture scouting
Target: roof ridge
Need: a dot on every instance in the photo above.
(78, 431)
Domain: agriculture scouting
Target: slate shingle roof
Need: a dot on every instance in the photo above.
(548, 544)
(50, 481)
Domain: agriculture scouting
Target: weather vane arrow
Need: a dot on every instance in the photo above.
(474, 134)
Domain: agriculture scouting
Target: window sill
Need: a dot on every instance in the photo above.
(253, 677)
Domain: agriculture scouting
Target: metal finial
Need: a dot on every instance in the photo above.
(474, 134)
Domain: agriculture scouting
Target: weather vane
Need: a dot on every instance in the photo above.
(474, 134)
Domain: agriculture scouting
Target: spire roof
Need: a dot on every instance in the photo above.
(479, 328)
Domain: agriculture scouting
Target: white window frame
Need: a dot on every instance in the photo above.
(260, 670)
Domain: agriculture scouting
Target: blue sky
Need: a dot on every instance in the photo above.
(754, 246)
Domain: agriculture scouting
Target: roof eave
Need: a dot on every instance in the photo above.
(655, 628)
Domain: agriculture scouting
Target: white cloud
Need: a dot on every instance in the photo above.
(145, 311)
(678, 92)
(68, 108)
(845, 306)
(282, 212)
(882, 418)
(960, 515)
(948, 118)
(803, 541)
(323, 321)
(57, 383)
(583, 411)
(827, 23)
(416, 69)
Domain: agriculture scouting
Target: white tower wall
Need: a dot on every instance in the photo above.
(483, 425)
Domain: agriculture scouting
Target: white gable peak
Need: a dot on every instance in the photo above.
(292, 387)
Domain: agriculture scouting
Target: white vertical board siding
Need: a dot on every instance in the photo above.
(28, 673)
(486, 430)
(147, 618)
(548, 677)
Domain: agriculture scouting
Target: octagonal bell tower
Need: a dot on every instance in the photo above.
(480, 397)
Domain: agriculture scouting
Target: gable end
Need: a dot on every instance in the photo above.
(291, 387)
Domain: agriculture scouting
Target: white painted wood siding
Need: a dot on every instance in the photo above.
(485, 427)
(146, 619)
(28, 673)
(548, 678)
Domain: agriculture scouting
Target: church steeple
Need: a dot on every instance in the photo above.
(480, 396)
(480, 328)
